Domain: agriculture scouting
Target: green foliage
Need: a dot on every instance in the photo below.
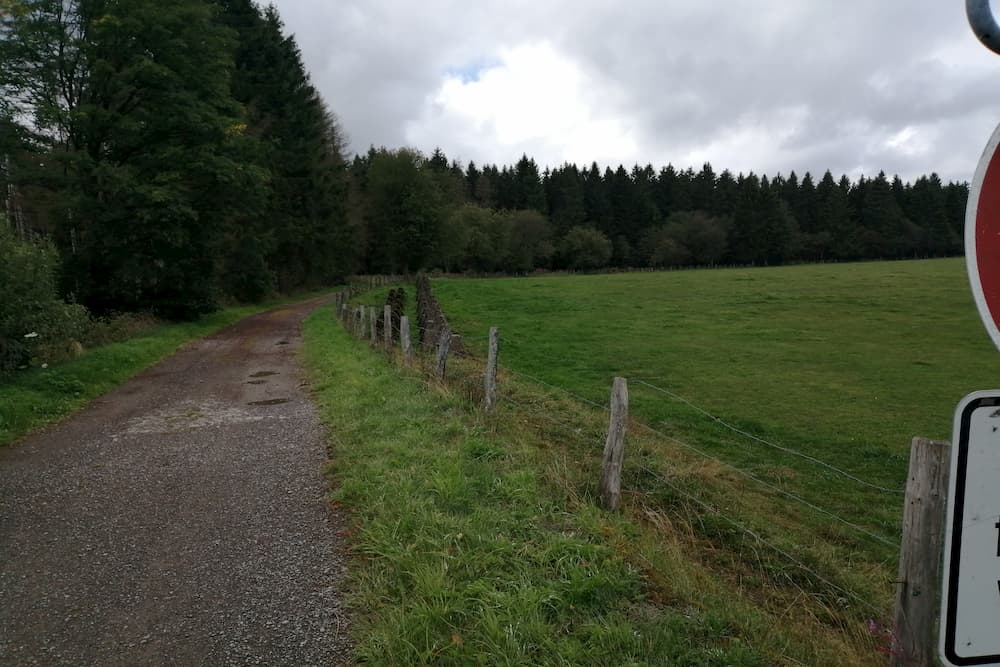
(532, 244)
(178, 152)
(585, 248)
(404, 211)
(487, 237)
(36, 326)
(687, 237)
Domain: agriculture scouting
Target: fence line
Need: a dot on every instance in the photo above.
(783, 448)
(755, 535)
(777, 489)
(574, 430)
(763, 441)
(772, 487)
(708, 507)
(892, 544)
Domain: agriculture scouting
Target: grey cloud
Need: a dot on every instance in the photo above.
(684, 74)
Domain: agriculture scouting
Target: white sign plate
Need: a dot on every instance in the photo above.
(970, 598)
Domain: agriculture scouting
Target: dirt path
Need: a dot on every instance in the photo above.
(179, 520)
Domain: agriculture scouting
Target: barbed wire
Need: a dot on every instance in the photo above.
(740, 471)
(760, 539)
(716, 511)
(763, 441)
(574, 431)
(892, 544)
(742, 432)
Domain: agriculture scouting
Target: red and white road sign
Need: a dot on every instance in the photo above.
(982, 237)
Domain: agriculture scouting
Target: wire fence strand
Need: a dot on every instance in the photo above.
(759, 538)
(768, 443)
(892, 544)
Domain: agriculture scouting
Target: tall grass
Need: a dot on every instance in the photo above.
(476, 538)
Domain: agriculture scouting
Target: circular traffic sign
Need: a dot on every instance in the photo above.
(982, 237)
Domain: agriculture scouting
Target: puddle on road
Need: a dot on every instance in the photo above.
(263, 374)
(270, 401)
(256, 381)
(282, 342)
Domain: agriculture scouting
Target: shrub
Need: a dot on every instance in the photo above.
(585, 248)
(35, 324)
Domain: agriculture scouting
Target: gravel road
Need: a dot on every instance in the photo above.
(180, 520)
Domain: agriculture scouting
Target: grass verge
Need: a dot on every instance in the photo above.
(477, 541)
(40, 396)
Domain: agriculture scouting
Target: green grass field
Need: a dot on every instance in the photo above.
(842, 362)
(476, 540)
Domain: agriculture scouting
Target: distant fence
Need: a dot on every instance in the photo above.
(909, 640)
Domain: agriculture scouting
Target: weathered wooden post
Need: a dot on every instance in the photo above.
(444, 345)
(361, 321)
(490, 380)
(404, 339)
(913, 642)
(372, 314)
(610, 488)
(387, 324)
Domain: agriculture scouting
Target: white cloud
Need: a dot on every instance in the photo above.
(748, 84)
(531, 99)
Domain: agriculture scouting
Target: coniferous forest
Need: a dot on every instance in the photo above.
(422, 212)
(175, 153)
(173, 156)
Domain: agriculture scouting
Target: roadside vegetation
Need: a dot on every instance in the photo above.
(476, 538)
(41, 395)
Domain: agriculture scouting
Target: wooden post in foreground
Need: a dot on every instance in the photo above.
(404, 339)
(913, 642)
(361, 322)
(387, 325)
(490, 381)
(374, 323)
(610, 488)
(444, 345)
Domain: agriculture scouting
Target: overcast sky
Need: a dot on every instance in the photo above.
(854, 86)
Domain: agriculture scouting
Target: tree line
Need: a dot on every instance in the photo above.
(176, 153)
(426, 212)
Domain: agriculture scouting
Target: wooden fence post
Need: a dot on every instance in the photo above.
(361, 322)
(387, 325)
(610, 488)
(490, 400)
(444, 345)
(920, 553)
(404, 339)
(372, 313)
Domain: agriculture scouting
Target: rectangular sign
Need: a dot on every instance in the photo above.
(970, 599)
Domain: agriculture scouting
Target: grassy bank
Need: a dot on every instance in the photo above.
(841, 362)
(476, 539)
(40, 396)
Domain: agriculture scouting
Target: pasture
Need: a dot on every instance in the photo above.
(844, 363)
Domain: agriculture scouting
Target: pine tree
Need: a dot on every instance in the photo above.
(595, 198)
(566, 202)
(833, 216)
(149, 139)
